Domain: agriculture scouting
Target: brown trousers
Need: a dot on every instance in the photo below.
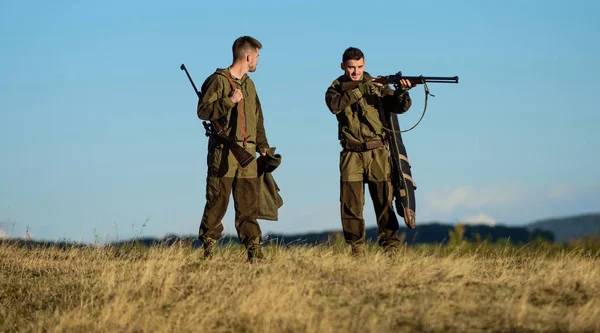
(356, 169)
(225, 175)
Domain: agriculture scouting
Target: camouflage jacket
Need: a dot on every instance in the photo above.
(360, 117)
(215, 105)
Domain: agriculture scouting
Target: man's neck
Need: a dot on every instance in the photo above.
(238, 70)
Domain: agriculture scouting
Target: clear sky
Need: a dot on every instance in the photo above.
(99, 137)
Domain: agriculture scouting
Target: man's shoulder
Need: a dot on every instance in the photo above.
(216, 78)
(214, 82)
(216, 75)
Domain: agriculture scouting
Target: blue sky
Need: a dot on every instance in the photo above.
(99, 137)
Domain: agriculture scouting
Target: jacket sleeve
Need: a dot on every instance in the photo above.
(396, 101)
(212, 104)
(262, 144)
(336, 101)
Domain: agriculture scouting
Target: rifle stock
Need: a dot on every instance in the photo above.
(241, 155)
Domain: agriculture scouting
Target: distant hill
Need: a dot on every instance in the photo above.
(569, 227)
(436, 233)
(553, 230)
(433, 233)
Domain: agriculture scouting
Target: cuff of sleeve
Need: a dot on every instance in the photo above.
(264, 149)
(401, 93)
(356, 92)
(228, 102)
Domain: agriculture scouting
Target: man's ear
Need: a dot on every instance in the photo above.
(342, 66)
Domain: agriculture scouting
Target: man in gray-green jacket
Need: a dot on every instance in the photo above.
(229, 100)
(365, 157)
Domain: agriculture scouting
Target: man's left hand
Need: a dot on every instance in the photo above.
(404, 84)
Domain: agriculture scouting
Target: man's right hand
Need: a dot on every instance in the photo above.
(365, 88)
(369, 87)
(236, 96)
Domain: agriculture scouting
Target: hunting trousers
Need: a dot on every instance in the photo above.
(226, 175)
(373, 168)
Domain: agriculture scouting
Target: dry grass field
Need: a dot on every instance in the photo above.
(458, 288)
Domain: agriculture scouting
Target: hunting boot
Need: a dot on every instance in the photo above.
(391, 251)
(254, 250)
(358, 250)
(209, 247)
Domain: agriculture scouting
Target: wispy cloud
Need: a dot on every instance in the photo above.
(507, 202)
(479, 219)
(448, 199)
(561, 192)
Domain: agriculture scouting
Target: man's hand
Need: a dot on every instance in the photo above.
(369, 87)
(404, 85)
(236, 95)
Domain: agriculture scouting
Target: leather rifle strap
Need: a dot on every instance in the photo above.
(241, 114)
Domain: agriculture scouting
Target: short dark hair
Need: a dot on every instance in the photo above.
(352, 53)
(244, 44)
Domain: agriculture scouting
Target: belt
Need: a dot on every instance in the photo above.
(238, 142)
(365, 146)
(248, 143)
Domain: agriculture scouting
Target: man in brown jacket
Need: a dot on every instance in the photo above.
(365, 157)
(229, 100)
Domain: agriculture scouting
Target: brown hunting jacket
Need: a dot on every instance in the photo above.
(360, 117)
(215, 105)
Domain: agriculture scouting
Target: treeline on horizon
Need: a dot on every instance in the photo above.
(425, 234)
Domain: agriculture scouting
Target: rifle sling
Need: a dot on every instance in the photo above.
(241, 115)
(427, 93)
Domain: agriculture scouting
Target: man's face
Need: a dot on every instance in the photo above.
(354, 69)
(252, 59)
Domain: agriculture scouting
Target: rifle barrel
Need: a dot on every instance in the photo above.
(183, 68)
(436, 79)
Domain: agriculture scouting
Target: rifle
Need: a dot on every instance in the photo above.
(395, 79)
(414, 80)
(215, 132)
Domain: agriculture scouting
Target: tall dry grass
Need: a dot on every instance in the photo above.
(462, 288)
